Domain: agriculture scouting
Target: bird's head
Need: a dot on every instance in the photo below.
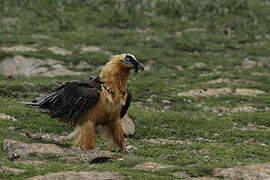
(128, 61)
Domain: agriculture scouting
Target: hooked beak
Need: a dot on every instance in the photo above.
(138, 67)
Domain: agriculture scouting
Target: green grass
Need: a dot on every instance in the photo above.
(170, 33)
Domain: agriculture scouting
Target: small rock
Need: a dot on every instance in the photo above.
(194, 30)
(251, 64)
(128, 126)
(201, 151)
(11, 128)
(165, 101)
(198, 65)
(206, 178)
(94, 49)
(72, 175)
(255, 127)
(181, 174)
(224, 80)
(30, 162)
(130, 148)
(40, 36)
(7, 117)
(5, 169)
(259, 171)
(147, 67)
(90, 49)
(179, 68)
(59, 50)
(249, 92)
(222, 109)
(11, 20)
(152, 166)
(177, 34)
(46, 136)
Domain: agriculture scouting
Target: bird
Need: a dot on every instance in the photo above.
(101, 100)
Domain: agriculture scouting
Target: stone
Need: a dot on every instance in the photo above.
(246, 64)
(206, 178)
(181, 174)
(7, 117)
(20, 149)
(72, 175)
(198, 65)
(45, 136)
(152, 166)
(21, 66)
(86, 49)
(59, 50)
(128, 126)
(260, 171)
(20, 48)
(224, 80)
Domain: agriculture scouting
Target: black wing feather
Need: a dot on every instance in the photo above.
(126, 106)
(71, 99)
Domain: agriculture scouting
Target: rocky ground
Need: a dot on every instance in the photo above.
(200, 109)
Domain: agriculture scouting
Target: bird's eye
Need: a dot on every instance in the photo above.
(127, 59)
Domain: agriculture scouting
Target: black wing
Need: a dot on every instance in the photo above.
(71, 99)
(126, 106)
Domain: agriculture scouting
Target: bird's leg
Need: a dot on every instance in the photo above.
(117, 133)
(86, 137)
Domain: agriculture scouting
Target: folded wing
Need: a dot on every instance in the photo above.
(71, 99)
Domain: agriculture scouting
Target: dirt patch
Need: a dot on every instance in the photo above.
(181, 175)
(87, 49)
(254, 127)
(21, 66)
(90, 49)
(30, 162)
(250, 172)
(224, 80)
(5, 169)
(201, 151)
(195, 30)
(221, 91)
(59, 50)
(46, 136)
(152, 166)
(20, 48)
(260, 74)
(222, 109)
(246, 64)
(81, 66)
(207, 178)
(166, 141)
(72, 175)
(19, 149)
(198, 65)
(7, 117)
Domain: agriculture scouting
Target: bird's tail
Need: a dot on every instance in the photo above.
(37, 102)
(31, 104)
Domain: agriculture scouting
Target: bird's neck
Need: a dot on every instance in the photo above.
(115, 78)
